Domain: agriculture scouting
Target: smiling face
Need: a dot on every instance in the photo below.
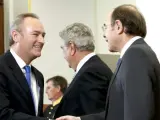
(30, 40)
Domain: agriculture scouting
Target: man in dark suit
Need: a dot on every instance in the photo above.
(87, 92)
(134, 91)
(21, 84)
(55, 88)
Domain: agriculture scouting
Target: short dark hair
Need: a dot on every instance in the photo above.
(59, 81)
(17, 22)
(131, 19)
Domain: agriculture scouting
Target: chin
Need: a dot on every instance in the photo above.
(111, 50)
(38, 54)
(69, 66)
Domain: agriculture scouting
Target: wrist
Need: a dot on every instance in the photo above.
(78, 118)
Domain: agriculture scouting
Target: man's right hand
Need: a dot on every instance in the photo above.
(68, 117)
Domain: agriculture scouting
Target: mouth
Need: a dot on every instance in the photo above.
(38, 47)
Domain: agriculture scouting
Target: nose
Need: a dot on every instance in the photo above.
(41, 39)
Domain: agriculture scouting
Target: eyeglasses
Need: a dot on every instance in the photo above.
(105, 27)
(63, 46)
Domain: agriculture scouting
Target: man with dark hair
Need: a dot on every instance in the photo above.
(134, 91)
(21, 84)
(56, 86)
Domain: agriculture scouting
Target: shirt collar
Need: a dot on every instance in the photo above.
(19, 61)
(57, 101)
(128, 44)
(84, 60)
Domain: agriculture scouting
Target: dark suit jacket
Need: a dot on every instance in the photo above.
(134, 91)
(50, 111)
(87, 92)
(15, 97)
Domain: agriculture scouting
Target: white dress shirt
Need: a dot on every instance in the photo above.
(83, 61)
(128, 44)
(34, 86)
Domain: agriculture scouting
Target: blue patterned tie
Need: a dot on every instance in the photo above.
(28, 75)
(28, 78)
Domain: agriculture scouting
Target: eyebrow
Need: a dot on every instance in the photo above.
(43, 33)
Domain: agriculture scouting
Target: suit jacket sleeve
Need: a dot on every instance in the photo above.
(137, 86)
(6, 113)
(97, 116)
(93, 92)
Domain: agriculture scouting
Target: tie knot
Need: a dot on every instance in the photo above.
(27, 68)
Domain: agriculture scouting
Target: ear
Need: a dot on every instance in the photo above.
(58, 88)
(15, 36)
(119, 27)
(73, 49)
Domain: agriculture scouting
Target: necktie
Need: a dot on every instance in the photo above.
(28, 78)
(119, 61)
(28, 75)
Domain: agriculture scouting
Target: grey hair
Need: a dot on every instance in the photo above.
(80, 34)
(16, 25)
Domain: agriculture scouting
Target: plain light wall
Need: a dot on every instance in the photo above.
(7, 18)
(150, 10)
(11, 9)
(104, 7)
(55, 15)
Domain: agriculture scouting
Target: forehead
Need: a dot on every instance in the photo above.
(108, 18)
(33, 24)
(50, 83)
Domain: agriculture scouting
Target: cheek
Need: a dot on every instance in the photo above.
(110, 37)
(108, 34)
(50, 91)
(66, 54)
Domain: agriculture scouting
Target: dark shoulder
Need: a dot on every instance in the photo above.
(3, 62)
(35, 70)
(2, 58)
(95, 63)
(137, 51)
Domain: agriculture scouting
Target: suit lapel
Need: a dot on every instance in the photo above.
(111, 82)
(109, 88)
(40, 87)
(72, 83)
(19, 76)
(17, 72)
(38, 78)
(80, 72)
